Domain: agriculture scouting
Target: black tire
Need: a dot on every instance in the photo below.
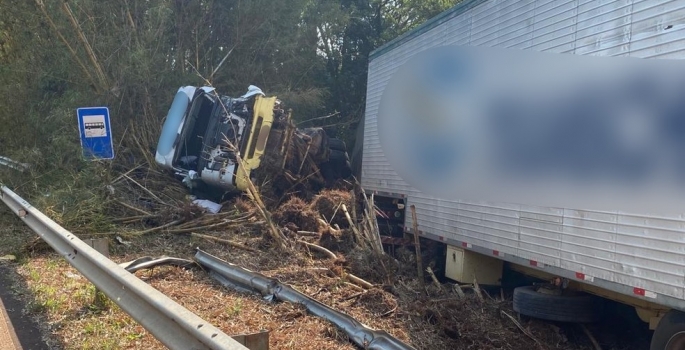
(579, 308)
(337, 166)
(337, 144)
(338, 156)
(670, 333)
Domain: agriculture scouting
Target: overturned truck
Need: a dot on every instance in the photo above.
(217, 143)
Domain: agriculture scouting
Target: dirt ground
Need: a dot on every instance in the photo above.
(423, 315)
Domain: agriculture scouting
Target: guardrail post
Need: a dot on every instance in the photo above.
(255, 341)
(102, 246)
(172, 324)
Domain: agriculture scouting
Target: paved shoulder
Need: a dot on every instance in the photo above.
(17, 331)
(8, 339)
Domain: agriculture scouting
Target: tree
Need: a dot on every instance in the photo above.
(133, 54)
(348, 31)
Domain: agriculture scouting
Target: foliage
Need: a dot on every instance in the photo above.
(132, 55)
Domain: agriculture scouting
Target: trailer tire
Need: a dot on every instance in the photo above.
(337, 166)
(670, 332)
(338, 156)
(562, 308)
(337, 144)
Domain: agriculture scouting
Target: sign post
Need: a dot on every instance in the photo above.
(96, 133)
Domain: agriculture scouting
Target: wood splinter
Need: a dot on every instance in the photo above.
(435, 279)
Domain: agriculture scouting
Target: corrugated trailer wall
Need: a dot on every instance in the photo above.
(635, 254)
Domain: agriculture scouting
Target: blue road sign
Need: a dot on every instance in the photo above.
(96, 133)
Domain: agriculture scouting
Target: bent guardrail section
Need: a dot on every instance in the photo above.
(243, 279)
(169, 322)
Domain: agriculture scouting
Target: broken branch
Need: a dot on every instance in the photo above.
(155, 229)
(134, 208)
(435, 279)
(417, 243)
(189, 229)
(476, 289)
(591, 337)
(358, 281)
(308, 233)
(319, 249)
(224, 241)
(357, 234)
(525, 331)
(460, 292)
(387, 313)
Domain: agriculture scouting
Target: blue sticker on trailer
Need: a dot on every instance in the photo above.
(96, 133)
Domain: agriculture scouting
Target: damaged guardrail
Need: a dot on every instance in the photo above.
(169, 322)
(6, 162)
(242, 279)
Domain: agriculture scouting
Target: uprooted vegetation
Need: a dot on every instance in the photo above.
(325, 257)
(326, 244)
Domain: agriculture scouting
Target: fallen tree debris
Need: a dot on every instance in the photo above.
(476, 289)
(358, 333)
(389, 312)
(190, 229)
(358, 281)
(308, 233)
(373, 233)
(357, 233)
(134, 208)
(154, 196)
(435, 279)
(352, 278)
(319, 249)
(417, 243)
(256, 197)
(520, 327)
(591, 337)
(132, 219)
(224, 241)
(460, 292)
(155, 229)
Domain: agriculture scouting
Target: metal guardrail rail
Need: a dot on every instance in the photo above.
(242, 279)
(169, 322)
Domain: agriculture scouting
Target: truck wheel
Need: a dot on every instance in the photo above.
(337, 156)
(670, 333)
(337, 144)
(337, 166)
(563, 308)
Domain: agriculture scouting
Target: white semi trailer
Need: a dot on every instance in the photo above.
(616, 243)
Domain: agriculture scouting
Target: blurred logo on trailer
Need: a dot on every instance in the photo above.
(537, 128)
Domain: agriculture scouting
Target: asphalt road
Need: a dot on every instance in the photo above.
(17, 331)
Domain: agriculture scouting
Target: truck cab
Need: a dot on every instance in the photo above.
(204, 136)
(222, 142)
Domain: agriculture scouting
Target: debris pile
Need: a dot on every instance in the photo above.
(332, 254)
(328, 204)
(296, 215)
(339, 241)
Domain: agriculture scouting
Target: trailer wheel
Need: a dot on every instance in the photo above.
(337, 156)
(337, 144)
(580, 308)
(670, 333)
(337, 166)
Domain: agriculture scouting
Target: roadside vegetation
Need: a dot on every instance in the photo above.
(132, 56)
